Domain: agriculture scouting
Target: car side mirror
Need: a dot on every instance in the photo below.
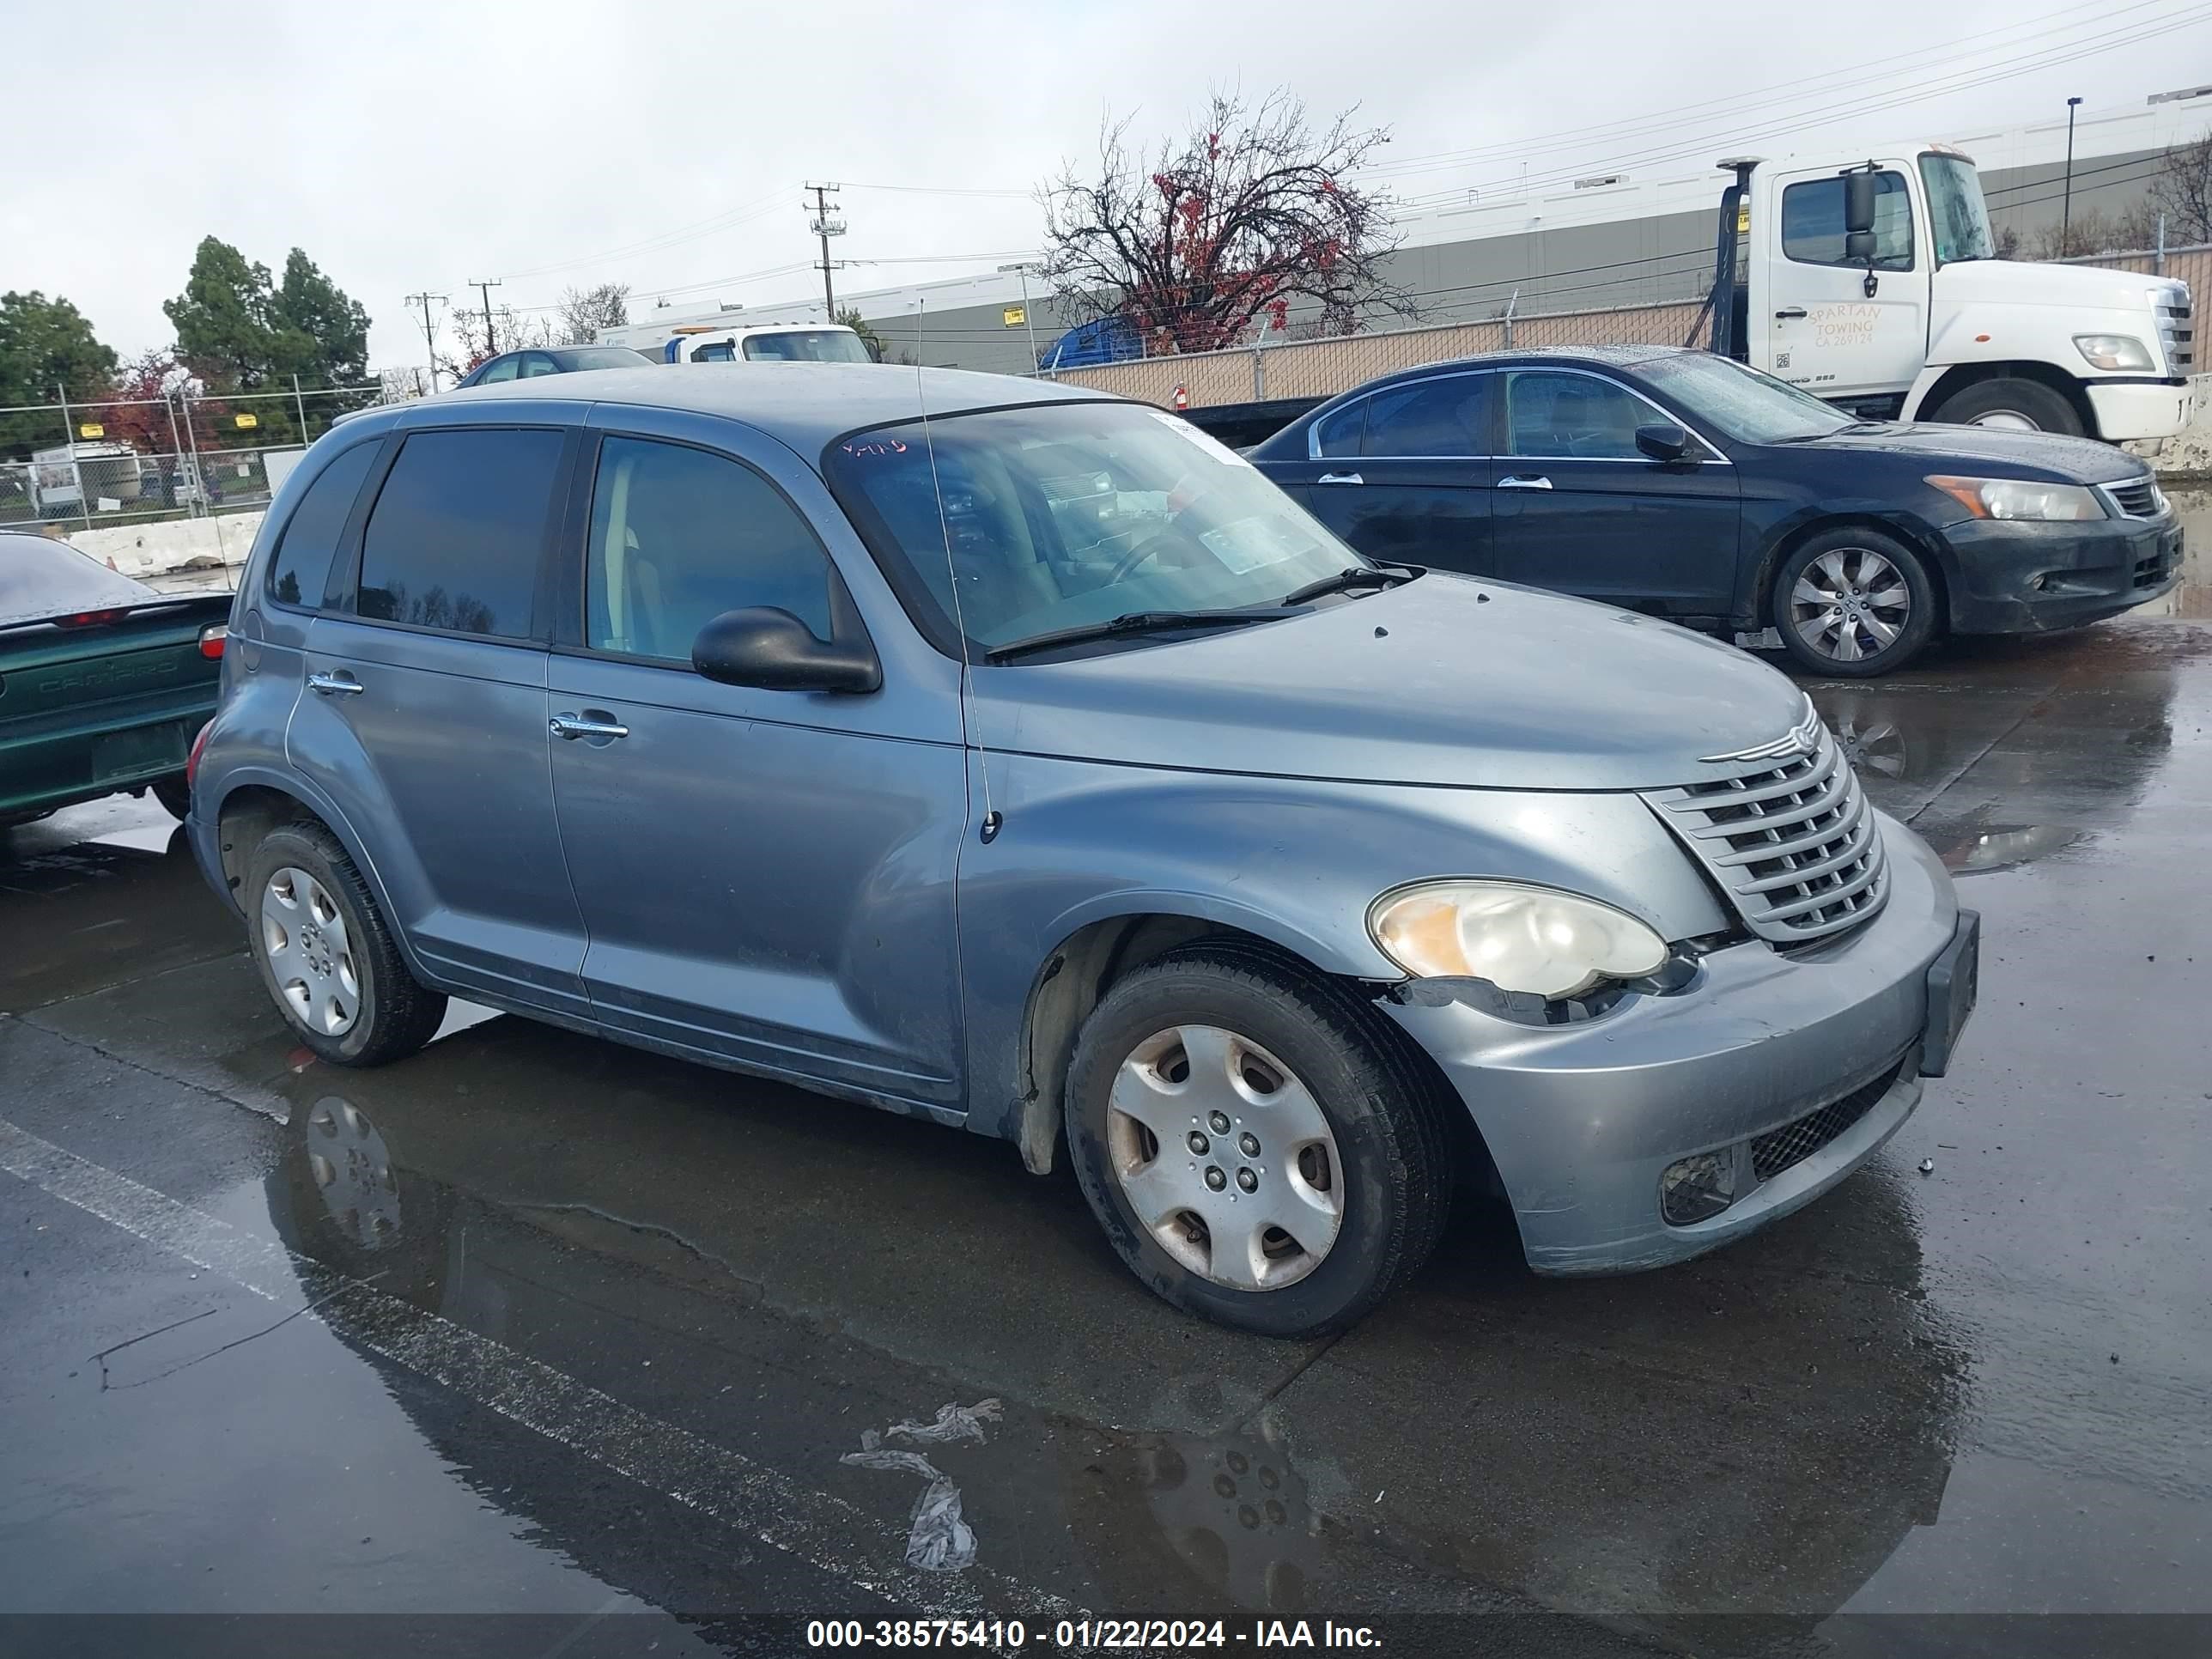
(768, 647)
(1662, 440)
(1858, 202)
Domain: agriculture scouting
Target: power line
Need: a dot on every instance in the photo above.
(1631, 126)
(2003, 70)
(724, 221)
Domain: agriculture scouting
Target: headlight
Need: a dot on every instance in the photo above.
(2017, 498)
(2114, 351)
(1532, 940)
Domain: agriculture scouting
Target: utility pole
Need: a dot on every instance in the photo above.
(2066, 206)
(824, 227)
(484, 288)
(1022, 269)
(429, 335)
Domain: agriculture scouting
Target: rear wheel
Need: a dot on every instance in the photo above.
(326, 954)
(1256, 1152)
(2012, 405)
(1855, 604)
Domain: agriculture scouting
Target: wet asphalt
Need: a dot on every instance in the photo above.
(569, 1340)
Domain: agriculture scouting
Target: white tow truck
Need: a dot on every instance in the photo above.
(1874, 283)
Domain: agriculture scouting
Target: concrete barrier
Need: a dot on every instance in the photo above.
(172, 545)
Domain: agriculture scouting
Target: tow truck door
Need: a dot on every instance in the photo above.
(1813, 323)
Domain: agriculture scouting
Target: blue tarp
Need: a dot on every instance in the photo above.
(1108, 340)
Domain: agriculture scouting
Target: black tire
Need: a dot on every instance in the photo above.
(2032, 401)
(395, 1015)
(1391, 1139)
(1833, 562)
(175, 795)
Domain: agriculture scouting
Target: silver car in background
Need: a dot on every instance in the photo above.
(995, 753)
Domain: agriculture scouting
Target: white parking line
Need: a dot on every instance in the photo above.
(811, 1527)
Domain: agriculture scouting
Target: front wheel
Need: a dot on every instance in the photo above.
(1854, 604)
(1256, 1151)
(2013, 405)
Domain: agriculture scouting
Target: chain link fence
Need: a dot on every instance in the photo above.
(92, 464)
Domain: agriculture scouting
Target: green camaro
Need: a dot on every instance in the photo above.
(104, 682)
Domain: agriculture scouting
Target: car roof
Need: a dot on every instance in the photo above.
(1600, 357)
(803, 405)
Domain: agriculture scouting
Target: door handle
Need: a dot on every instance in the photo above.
(336, 684)
(1528, 481)
(1340, 477)
(573, 726)
(1789, 312)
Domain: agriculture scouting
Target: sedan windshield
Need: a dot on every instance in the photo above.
(1740, 402)
(1055, 516)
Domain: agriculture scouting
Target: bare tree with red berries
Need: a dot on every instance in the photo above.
(1251, 211)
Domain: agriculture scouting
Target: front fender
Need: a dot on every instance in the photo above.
(1293, 861)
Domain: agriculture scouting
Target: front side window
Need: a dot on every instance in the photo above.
(808, 346)
(1554, 417)
(1957, 215)
(454, 540)
(679, 537)
(1061, 515)
(718, 351)
(1448, 416)
(302, 564)
(502, 368)
(1813, 223)
(537, 363)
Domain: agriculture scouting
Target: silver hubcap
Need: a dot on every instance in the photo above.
(353, 1171)
(310, 957)
(1225, 1158)
(2008, 420)
(1849, 603)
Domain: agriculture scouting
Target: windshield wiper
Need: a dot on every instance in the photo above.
(1134, 621)
(1357, 575)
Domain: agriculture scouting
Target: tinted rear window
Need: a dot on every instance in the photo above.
(302, 564)
(455, 539)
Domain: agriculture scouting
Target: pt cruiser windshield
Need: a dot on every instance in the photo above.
(1061, 516)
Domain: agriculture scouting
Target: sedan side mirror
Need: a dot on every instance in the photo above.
(1662, 440)
(768, 647)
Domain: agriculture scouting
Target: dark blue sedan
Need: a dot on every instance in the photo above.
(1684, 485)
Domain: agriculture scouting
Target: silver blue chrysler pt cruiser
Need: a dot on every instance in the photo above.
(1005, 755)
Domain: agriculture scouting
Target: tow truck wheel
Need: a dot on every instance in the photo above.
(2016, 405)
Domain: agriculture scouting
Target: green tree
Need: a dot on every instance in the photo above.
(322, 334)
(242, 331)
(45, 345)
(225, 319)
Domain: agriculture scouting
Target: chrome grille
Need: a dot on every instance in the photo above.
(2177, 333)
(2137, 498)
(1791, 840)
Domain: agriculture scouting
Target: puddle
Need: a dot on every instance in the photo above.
(1970, 852)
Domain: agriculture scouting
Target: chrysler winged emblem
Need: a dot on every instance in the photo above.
(1802, 739)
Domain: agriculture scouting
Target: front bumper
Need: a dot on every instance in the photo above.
(2015, 577)
(2139, 410)
(1581, 1120)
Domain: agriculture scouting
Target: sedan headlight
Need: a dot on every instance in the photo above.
(2018, 498)
(2114, 351)
(1532, 940)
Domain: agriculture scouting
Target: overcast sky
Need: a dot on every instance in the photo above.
(408, 146)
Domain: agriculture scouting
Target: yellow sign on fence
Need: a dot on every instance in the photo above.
(91, 430)
(244, 421)
(1014, 316)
